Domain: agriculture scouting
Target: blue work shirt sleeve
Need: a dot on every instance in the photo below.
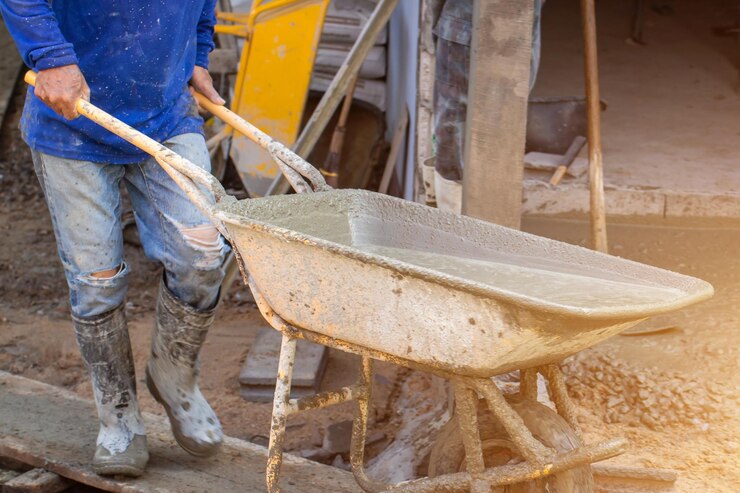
(205, 33)
(36, 33)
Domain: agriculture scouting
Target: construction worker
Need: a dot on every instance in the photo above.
(453, 29)
(138, 58)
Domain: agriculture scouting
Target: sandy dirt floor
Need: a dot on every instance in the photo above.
(672, 393)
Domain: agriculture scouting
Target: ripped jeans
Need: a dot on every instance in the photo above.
(85, 204)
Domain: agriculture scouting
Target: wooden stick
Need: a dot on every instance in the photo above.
(595, 169)
(570, 155)
(330, 170)
(390, 163)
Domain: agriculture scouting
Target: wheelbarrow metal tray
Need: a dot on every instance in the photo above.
(441, 290)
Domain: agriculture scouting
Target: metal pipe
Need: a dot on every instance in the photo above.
(467, 418)
(528, 384)
(280, 413)
(529, 447)
(338, 87)
(323, 399)
(559, 395)
(359, 430)
(517, 473)
(593, 105)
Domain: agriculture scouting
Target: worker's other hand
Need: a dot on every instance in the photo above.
(60, 88)
(203, 83)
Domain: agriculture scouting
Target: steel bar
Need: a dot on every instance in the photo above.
(559, 395)
(338, 87)
(517, 473)
(359, 430)
(530, 448)
(324, 399)
(593, 105)
(467, 418)
(280, 413)
(528, 384)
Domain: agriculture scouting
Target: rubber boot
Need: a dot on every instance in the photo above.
(106, 351)
(171, 374)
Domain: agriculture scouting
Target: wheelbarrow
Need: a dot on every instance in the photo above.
(467, 300)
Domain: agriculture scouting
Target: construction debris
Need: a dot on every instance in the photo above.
(656, 399)
(37, 481)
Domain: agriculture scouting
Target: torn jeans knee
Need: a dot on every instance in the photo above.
(195, 277)
(91, 296)
(208, 246)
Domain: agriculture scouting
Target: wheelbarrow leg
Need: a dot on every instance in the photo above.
(531, 449)
(466, 408)
(359, 429)
(559, 395)
(280, 413)
(528, 384)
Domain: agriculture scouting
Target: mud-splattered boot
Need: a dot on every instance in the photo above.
(172, 372)
(106, 351)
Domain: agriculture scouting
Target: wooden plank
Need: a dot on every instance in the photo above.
(10, 68)
(500, 56)
(48, 427)
(259, 373)
(37, 481)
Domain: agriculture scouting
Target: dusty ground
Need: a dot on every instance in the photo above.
(673, 394)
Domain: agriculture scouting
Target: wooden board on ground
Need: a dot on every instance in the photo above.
(48, 427)
(259, 373)
(10, 68)
(37, 481)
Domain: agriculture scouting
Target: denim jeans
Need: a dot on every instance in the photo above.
(85, 204)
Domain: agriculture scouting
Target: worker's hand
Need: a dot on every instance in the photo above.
(202, 82)
(60, 88)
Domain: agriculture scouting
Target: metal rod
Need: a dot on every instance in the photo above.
(593, 105)
(528, 384)
(530, 448)
(517, 473)
(323, 399)
(467, 418)
(338, 87)
(280, 413)
(359, 430)
(559, 395)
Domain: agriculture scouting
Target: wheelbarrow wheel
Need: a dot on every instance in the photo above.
(448, 452)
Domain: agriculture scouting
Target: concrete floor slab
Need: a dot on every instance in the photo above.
(672, 128)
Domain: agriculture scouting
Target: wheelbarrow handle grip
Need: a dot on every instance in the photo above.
(299, 172)
(186, 174)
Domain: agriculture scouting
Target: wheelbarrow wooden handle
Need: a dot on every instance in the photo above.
(186, 174)
(299, 172)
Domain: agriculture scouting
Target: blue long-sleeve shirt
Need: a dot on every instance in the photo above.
(137, 57)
